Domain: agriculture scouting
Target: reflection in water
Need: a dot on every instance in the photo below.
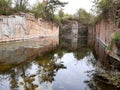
(107, 69)
(49, 72)
(57, 70)
(50, 67)
(17, 52)
(104, 60)
(26, 67)
(74, 76)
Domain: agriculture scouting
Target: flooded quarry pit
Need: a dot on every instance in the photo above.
(43, 64)
(45, 46)
(66, 59)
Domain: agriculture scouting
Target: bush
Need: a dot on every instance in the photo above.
(116, 37)
(5, 7)
(114, 41)
(57, 19)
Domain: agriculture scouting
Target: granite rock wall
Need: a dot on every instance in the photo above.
(25, 26)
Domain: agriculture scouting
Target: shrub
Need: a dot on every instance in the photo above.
(114, 41)
(116, 37)
(5, 7)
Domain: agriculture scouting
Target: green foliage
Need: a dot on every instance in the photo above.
(61, 14)
(57, 19)
(21, 5)
(116, 37)
(105, 9)
(80, 53)
(46, 10)
(39, 10)
(67, 16)
(5, 7)
(110, 46)
(61, 17)
(101, 6)
(84, 16)
(52, 6)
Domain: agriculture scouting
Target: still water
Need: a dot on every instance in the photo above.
(39, 64)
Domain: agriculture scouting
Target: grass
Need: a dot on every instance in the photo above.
(113, 41)
(116, 37)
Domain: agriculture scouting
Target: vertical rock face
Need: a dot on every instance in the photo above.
(82, 34)
(25, 26)
(75, 34)
(106, 27)
(69, 34)
(12, 26)
(91, 35)
(104, 31)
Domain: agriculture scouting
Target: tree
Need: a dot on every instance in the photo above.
(82, 14)
(47, 8)
(85, 17)
(5, 7)
(101, 6)
(105, 9)
(39, 10)
(21, 5)
(52, 6)
(61, 14)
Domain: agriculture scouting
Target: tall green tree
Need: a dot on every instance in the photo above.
(52, 6)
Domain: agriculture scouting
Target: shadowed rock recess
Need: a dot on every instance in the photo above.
(75, 34)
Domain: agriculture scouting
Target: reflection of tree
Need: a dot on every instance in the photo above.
(20, 75)
(14, 80)
(49, 71)
(17, 72)
(91, 59)
(95, 84)
(92, 83)
(27, 80)
(50, 66)
(81, 53)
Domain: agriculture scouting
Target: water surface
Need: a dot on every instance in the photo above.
(41, 65)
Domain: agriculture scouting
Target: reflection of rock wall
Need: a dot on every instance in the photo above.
(25, 26)
(69, 34)
(17, 52)
(82, 34)
(91, 35)
(75, 34)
